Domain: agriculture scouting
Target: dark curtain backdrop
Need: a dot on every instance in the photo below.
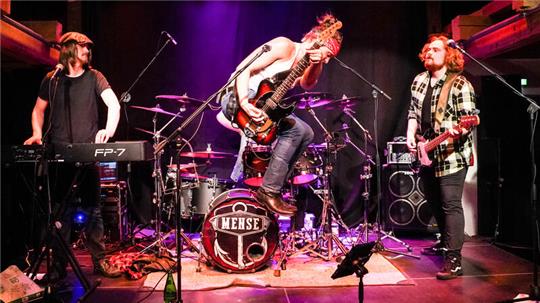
(381, 41)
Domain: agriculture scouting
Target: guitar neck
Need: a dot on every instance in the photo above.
(296, 72)
(431, 145)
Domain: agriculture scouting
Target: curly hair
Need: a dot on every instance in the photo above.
(454, 59)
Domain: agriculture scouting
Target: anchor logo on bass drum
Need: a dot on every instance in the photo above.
(239, 234)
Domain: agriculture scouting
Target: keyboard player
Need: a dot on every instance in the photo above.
(72, 92)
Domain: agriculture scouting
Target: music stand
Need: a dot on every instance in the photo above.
(354, 262)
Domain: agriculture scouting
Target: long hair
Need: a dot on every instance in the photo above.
(454, 59)
(68, 54)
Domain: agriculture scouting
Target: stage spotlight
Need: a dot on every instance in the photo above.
(79, 217)
(354, 263)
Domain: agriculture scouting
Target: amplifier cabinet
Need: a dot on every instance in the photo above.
(114, 211)
(404, 203)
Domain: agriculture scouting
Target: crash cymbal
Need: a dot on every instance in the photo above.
(207, 154)
(181, 99)
(147, 131)
(313, 99)
(154, 110)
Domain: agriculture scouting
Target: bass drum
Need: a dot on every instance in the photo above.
(239, 234)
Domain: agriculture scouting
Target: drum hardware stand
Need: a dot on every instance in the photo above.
(159, 186)
(160, 146)
(375, 93)
(325, 235)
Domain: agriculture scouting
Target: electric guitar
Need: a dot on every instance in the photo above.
(424, 147)
(268, 98)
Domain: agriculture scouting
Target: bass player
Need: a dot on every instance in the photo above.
(293, 134)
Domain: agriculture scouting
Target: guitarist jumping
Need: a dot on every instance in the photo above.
(443, 101)
(253, 103)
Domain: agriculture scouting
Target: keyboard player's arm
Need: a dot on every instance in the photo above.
(113, 116)
(38, 116)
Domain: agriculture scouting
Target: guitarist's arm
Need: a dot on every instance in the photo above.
(318, 57)
(411, 134)
(280, 48)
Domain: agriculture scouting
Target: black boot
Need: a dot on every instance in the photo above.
(274, 202)
(452, 266)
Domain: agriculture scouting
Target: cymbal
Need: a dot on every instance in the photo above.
(147, 131)
(342, 103)
(193, 176)
(185, 167)
(313, 99)
(324, 145)
(154, 110)
(207, 154)
(181, 99)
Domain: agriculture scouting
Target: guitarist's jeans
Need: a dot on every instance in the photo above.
(294, 135)
(444, 195)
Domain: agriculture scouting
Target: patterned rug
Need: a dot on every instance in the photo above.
(302, 271)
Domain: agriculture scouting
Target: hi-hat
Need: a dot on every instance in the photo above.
(180, 99)
(207, 154)
(147, 131)
(154, 110)
(187, 167)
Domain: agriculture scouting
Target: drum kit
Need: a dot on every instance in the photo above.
(239, 234)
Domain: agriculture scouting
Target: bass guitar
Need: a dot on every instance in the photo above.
(268, 98)
(424, 147)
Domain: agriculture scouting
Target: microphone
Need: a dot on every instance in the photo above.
(57, 69)
(266, 48)
(453, 44)
(170, 37)
(125, 98)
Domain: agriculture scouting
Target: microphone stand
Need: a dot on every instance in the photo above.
(375, 93)
(534, 291)
(159, 147)
(125, 97)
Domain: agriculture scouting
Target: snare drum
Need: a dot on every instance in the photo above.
(239, 234)
(308, 167)
(256, 159)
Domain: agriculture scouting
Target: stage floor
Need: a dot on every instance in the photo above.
(491, 274)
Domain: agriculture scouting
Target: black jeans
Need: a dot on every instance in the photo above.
(77, 189)
(444, 196)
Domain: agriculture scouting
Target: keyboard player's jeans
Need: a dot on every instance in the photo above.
(76, 188)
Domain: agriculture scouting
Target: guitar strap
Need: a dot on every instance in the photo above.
(443, 100)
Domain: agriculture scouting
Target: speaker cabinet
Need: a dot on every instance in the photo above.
(404, 204)
(114, 211)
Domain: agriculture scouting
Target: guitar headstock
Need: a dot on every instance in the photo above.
(469, 121)
(327, 34)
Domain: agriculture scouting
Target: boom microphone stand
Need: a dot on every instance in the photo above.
(124, 99)
(534, 291)
(375, 93)
(159, 147)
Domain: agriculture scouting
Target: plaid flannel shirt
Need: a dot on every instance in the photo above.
(453, 154)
